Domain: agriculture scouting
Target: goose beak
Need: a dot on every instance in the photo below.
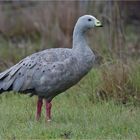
(98, 23)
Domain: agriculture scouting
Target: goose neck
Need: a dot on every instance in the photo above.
(79, 39)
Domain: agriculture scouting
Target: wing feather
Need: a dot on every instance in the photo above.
(16, 75)
(18, 84)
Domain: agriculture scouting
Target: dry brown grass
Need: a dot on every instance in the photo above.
(119, 81)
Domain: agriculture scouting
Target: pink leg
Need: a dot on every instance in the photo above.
(48, 110)
(39, 106)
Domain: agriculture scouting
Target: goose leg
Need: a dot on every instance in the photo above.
(39, 106)
(48, 111)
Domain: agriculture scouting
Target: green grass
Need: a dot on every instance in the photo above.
(75, 116)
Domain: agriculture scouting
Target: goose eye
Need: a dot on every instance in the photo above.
(89, 19)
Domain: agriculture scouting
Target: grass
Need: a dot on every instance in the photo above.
(75, 116)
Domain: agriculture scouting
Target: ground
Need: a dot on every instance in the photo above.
(75, 116)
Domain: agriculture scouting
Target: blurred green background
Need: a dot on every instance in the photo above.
(105, 104)
(30, 26)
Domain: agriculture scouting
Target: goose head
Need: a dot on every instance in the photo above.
(87, 22)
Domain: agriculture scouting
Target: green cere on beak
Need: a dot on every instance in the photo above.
(98, 23)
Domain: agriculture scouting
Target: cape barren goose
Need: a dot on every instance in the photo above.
(52, 71)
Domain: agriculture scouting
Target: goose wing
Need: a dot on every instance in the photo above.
(24, 75)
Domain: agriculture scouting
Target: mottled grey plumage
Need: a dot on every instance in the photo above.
(52, 71)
